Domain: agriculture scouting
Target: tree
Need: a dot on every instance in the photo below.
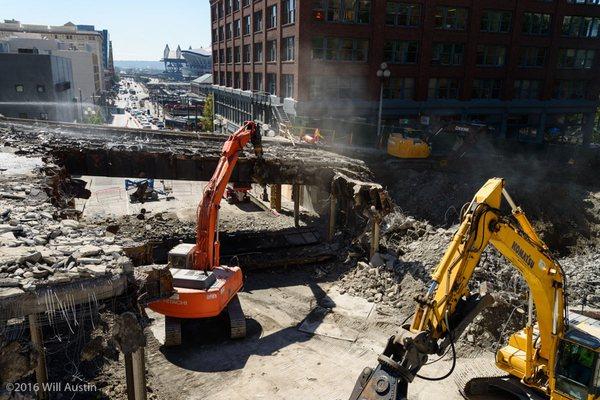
(208, 115)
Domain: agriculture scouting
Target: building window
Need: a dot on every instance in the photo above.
(486, 88)
(246, 81)
(227, 7)
(272, 84)
(337, 87)
(245, 3)
(491, 56)
(228, 31)
(228, 56)
(236, 80)
(221, 35)
(347, 11)
(213, 14)
(237, 28)
(287, 85)
(400, 88)
(402, 14)
(532, 57)
(341, 49)
(246, 53)
(401, 52)
(258, 21)
(288, 11)
(221, 56)
(583, 27)
(576, 58)
(258, 52)
(258, 82)
(272, 16)
(246, 25)
(527, 89)
(570, 89)
(216, 56)
(496, 21)
(236, 5)
(229, 79)
(214, 36)
(443, 88)
(536, 24)
(19, 88)
(272, 50)
(451, 18)
(287, 53)
(448, 54)
(237, 54)
(41, 88)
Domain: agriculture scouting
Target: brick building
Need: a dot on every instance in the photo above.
(529, 68)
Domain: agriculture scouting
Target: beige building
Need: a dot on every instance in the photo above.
(69, 34)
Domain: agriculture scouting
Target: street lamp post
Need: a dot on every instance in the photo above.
(383, 73)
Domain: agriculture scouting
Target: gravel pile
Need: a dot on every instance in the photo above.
(38, 249)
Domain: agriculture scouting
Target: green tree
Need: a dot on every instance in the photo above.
(208, 115)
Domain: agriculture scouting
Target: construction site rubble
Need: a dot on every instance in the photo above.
(37, 248)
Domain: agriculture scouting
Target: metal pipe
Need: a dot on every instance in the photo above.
(509, 199)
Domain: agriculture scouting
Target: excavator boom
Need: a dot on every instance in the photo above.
(207, 251)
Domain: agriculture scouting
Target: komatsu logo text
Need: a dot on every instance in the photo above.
(526, 258)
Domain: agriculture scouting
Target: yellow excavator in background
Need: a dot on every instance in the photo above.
(449, 141)
(548, 358)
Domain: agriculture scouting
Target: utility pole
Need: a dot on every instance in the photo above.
(80, 106)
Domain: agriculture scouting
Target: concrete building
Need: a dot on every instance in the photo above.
(37, 86)
(87, 39)
(528, 68)
(85, 80)
(201, 85)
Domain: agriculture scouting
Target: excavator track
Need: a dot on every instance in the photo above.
(481, 380)
(172, 331)
(237, 319)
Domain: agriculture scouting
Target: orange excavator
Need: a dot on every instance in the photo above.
(204, 288)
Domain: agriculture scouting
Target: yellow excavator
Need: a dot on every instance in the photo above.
(450, 141)
(553, 357)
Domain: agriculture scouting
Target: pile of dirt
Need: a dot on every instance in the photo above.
(412, 248)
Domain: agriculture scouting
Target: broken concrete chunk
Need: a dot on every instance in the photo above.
(88, 250)
(32, 257)
(96, 270)
(377, 260)
(70, 223)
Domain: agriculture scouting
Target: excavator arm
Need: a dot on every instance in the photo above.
(447, 307)
(207, 251)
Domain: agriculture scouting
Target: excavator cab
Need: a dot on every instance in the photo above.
(577, 372)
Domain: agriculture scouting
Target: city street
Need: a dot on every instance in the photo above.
(139, 113)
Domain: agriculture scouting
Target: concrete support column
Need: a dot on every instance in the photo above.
(276, 197)
(296, 197)
(41, 374)
(588, 128)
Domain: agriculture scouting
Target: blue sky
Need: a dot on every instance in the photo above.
(139, 29)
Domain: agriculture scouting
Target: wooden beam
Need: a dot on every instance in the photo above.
(276, 197)
(296, 197)
(41, 374)
(374, 235)
(332, 216)
(129, 376)
(139, 374)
